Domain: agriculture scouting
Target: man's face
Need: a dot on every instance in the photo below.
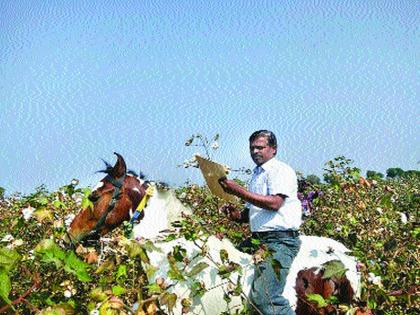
(260, 151)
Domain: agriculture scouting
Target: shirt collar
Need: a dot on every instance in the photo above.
(266, 166)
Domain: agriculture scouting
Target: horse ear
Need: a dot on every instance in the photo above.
(119, 168)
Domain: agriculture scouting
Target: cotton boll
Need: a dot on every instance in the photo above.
(27, 213)
(403, 217)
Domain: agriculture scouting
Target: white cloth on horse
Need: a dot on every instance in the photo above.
(314, 252)
(162, 209)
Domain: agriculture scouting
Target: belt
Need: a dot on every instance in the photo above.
(285, 233)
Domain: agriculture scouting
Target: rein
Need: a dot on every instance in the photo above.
(117, 183)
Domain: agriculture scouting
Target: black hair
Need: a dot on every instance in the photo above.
(271, 137)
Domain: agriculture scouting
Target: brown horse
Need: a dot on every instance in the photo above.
(113, 198)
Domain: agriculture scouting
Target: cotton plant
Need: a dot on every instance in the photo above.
(202, 142)
(208, 148)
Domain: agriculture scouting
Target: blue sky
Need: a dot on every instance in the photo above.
(80, 80)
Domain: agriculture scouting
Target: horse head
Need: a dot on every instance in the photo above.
(113, 198)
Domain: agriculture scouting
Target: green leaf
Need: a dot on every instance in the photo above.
(76, 266)
(150, 270)
(334, 268)
(58, 204)
(179, 253)
(98, 295)
(53, 310)
(226, 270)
(238, 288)
(50, 252)
(86, 203)
(170, 237)
(318, 299)
(329, 227)
(5, 286)
(355, 173)
(416, 232)
(255, 241)
(386, 201)
(135, 249)
(43, 214)
(372, 304)
(227, 298)
(153, 288)
(43, 201)
(224, 256)
(197, 289)
(174, 273)
(150, 247)
(118, 290)
(8, 258)
(197, 269)
(121, 272)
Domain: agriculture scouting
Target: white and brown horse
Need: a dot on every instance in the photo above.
(119, 194)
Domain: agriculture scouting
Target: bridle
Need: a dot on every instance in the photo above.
(116, 195)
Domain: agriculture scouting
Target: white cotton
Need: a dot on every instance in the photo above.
(7, 238)
(27, 213)
(31, 255)
(17, 243)
(215, 145)
(403, 218)
(374, 279)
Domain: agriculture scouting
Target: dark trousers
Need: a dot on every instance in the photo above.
(270, 274)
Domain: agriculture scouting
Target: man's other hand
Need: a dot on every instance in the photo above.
(230, 186)
(231, 212)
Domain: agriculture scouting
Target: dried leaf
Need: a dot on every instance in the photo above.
(108, 264)
(169, 299)
(91, 257)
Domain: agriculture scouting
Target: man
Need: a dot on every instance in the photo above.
(274, 213)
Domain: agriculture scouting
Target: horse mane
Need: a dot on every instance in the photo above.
(139, 175)
(108, 169)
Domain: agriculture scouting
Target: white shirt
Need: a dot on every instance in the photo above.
(272, 178)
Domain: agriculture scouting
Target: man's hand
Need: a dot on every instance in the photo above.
(231, 212)
(268, 202)
(230, 186)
